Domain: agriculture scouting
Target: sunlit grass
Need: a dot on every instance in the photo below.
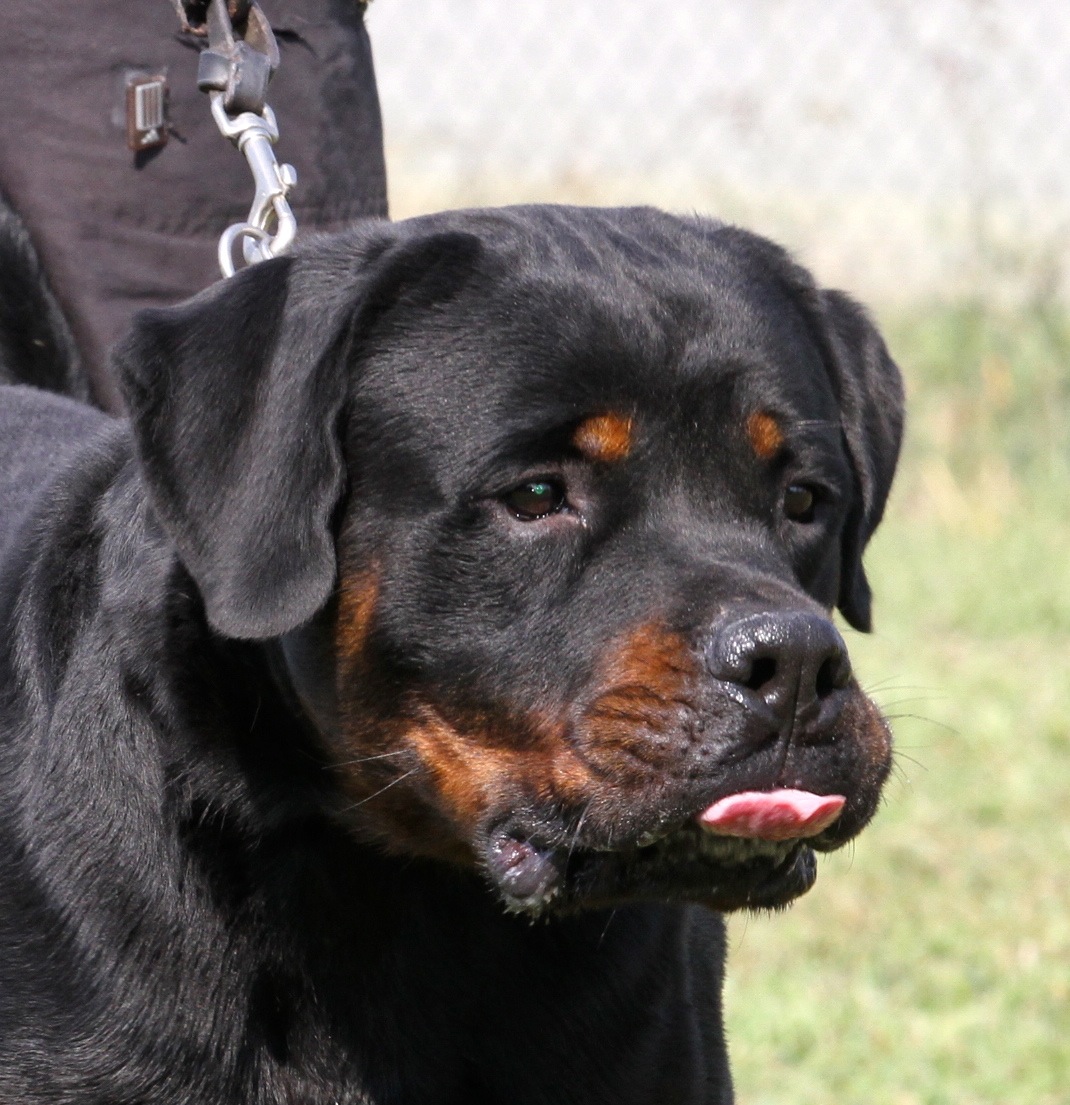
(931, 964)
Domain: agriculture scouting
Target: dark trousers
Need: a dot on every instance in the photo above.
(118, 231)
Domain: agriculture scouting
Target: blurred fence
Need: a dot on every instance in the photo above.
(903, 148)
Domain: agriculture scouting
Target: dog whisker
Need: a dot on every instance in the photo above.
(901, 755)
(883, 686)
(381, 790)
(576, 832)
(886, 706)
(367, 759)
(609, 921)
(951, 729)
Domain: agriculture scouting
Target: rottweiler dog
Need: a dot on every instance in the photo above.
(393, 703)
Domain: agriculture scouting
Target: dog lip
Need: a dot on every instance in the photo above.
(723, 872)
(686, 863)
(747, 850)
(527, 875)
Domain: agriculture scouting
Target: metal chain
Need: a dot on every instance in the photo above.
(235, 71)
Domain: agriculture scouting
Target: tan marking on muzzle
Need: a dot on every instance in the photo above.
(646, 680)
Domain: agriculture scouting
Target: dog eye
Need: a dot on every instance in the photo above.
(799, 502)
(535, 499)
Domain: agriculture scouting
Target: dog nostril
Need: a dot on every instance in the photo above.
(762, 671)
(833, 675)
(791, 662)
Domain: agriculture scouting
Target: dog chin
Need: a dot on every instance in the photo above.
(689, 865)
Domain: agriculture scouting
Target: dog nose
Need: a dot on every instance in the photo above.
(794, 664)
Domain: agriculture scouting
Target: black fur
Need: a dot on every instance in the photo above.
(36, 346)
(293, 702)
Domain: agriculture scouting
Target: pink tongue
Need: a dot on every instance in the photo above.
(773, 814)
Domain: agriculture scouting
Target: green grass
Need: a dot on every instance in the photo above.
(931, 964)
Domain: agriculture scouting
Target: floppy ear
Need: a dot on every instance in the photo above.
(871, 397)
(236, 397)
(233, 406)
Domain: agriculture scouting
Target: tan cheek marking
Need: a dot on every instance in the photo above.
(605, 438)
(358, 596)
(465, 772)
(417, 774)
(423, 777)
(473, 765)
(372, 757)
(764, 434)
(405, 774)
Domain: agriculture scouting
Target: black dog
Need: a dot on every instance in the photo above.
(392, 704)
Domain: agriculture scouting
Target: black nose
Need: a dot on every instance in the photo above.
(789, 666)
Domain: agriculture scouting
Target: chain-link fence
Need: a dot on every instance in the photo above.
(903, 148)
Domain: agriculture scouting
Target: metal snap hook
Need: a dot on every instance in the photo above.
(254, 241)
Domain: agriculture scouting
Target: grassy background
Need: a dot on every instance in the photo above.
(931, 965)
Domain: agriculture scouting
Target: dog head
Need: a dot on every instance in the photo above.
(545, 511)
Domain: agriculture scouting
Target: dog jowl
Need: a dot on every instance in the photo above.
(500, 551)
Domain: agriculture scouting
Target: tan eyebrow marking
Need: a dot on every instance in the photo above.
(604, 437)
(764, 434)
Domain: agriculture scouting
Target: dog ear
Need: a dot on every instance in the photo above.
(871, 397)
(236, 399)
(233, 409)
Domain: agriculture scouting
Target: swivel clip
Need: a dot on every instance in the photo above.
(235, 71)
(271, 226)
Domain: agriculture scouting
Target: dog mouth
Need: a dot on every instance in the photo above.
(753, 850)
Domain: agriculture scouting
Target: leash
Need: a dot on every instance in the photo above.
(235, 71)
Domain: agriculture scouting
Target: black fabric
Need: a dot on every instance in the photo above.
(118, 231)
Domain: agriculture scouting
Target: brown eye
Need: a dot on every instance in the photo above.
(799, 503)
(535, 499)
